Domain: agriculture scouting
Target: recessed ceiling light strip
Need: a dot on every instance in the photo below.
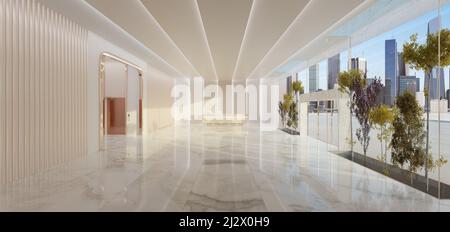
(145, 48)
(168, 37)
(343, 19)
(206, 39)
(244, 39)
(281, 37)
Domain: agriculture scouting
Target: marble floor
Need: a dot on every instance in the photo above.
(201, 168)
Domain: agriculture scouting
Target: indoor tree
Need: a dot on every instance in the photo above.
(284, 107)
(364, 99)
(347, 82)
(382, 118)
(293, 116)
(433, 53)
(282, 110)
(298, 89)
(408, 138)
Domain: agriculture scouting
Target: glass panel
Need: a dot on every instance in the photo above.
(381, 56)
(373, 42)
(313, 123)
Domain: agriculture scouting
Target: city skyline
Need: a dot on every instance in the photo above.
(373, 51)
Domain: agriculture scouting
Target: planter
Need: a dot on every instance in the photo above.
(290, 131)
(398, 174)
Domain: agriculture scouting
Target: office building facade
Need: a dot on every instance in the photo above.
(410, 84)
(334, 65)
(314, 78)
(391, 70)
(359, 64)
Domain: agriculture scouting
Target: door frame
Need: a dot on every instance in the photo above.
(102, 89)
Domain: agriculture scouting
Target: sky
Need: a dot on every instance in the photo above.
(373, 50)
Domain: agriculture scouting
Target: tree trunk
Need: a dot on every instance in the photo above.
(428, 130)
(351, 124)
(381, 144)
(385, 152)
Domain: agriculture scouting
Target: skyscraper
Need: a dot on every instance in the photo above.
(360, 64)
(289, 84)
(313, 78)
(334, 65)
(401, 65)
(434, 84)
(434, 27)
(391, 70)
(410, 84)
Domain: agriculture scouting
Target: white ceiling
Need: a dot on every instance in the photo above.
(216, 39)
(225, 23)
(269, 20)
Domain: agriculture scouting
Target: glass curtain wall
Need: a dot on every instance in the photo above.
(374, 44)
(383, 55)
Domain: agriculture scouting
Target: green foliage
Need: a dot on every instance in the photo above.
(288, 99)
(293, 116)
(362, 102)
(285, 107)
(425, 56)
(381, 115)
(288, 108)
(348, 80)
(298, 88)
(408, 138)
(440, 162)
(382, 118)
(435, 52)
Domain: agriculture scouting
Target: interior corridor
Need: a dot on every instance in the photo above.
(224, 105)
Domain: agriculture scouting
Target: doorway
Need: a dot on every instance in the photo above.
(120, 95)
(115, 116)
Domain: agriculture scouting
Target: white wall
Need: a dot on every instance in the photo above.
(269, 96)
(253, 110)
(133, 101)
(157, 100)
(115, 80)
(49, 101)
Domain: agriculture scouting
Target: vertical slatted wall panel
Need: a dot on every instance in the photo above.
(43, 78)
(2, 97)
(9, 91)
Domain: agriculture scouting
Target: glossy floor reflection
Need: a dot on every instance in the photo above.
(200, 168)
